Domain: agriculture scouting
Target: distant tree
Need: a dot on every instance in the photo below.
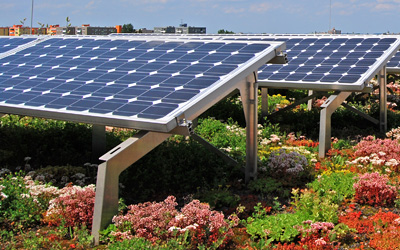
(23, 21)
(68, 31)
(68, 21)
(222, 31)
(127, 28)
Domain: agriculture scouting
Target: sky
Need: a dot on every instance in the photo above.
(246, 16)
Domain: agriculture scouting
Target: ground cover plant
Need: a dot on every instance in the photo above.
(182, 196)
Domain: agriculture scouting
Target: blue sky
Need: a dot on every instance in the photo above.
(248, 16)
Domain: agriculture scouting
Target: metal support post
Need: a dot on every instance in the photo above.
(330, 105)
(264, 102)
(310, 101)
(382, 100)
(116, 161)
(249, 94)
(98, 142)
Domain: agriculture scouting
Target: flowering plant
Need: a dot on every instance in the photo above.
(287, 165)
(161, 221)
(373, 189)
(74, 206)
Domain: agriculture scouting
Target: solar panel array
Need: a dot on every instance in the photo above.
(123, 78)
(9, 43)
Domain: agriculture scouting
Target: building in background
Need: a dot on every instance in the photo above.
(181, 29)
(52, 29)
(19, 30)
(86, 29)
(334, 31)
(4, 31)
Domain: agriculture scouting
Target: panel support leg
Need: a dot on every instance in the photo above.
(382, 100)
(249, 95)
(264, 102)
(116, 161)
(98, 142)
(310, 101)
(330, 105)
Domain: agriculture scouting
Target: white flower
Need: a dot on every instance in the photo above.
(173, 228)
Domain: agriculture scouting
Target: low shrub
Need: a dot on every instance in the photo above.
(22, 201)
(374, 189)
(338, 185)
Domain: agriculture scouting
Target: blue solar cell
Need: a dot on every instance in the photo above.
(356, 55)
(349, 78)
(131, 109)
(288, 68)
(132, 92)
(295, 77)
(172, 68)
(340, 70)
(171, 56)
(370, 40)
(322, 69)
(196, 68)
(131, 66)
(364, 47)
(214, 58)
(366, 62)
(220, 69)
(237, 59)
(324, 54)
(42, 100)
(349, 61)
(332, 47)
(373, 54)
(154, 79)
(150, 55)
(313, 77)
(180, 95)
(154, 66)
(254, 48)
(85, 104)
(6, 95)
(331, 78)
(331, 61)
(278, 76)
(22, 98)
(169, 45)
(339, 54)
(158, 110)
(298, 61)
(305, 69)
(381, 47)
(63, 102)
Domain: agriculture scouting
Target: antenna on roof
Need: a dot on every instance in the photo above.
(330, 14)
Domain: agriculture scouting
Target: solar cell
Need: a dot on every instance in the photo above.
(121, 80)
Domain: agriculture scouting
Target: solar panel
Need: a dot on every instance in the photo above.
(129, 82)
(10, 43)
(323, 62)
(328, 62)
